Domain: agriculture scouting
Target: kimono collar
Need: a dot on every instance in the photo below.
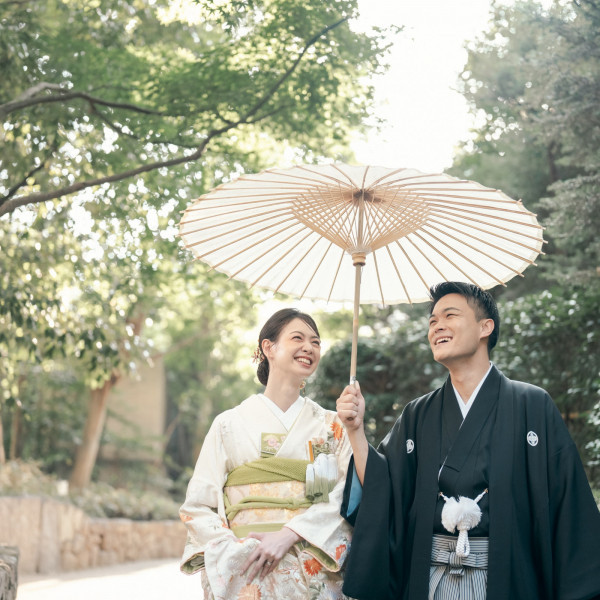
(287, 417)
(465, 406)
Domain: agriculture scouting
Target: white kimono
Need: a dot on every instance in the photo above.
(312, 568)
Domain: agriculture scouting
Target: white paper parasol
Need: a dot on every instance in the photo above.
(360, 233)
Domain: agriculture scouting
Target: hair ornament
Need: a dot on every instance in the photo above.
(258, 355)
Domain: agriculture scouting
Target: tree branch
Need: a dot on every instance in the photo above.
(292, 67)
(30, 98)
(15, 188)
(10, 205)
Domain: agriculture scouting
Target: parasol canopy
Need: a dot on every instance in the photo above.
(360, 233)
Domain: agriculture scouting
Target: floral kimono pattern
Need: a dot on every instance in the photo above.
(312, 569)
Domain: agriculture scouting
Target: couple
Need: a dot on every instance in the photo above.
(477, 492)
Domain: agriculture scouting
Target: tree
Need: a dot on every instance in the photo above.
(109, 310)
(120, 112)
(533, 79)
(105, 92)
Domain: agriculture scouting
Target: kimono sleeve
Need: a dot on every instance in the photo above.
(326, 533)
(376, 560)
(203, 511)
(575, 522)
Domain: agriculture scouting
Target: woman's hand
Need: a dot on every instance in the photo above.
(272, 548)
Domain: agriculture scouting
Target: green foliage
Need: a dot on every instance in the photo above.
(19, 478)
(26, 478)
(104, 95)
(534, 80)
(104, 501)
(122, 111)
(207, 364)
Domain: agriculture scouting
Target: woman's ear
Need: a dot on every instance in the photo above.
(266, 347)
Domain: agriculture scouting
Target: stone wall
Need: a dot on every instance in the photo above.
(9, 559)
(53, 536)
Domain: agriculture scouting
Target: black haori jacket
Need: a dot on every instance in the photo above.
(544, 525)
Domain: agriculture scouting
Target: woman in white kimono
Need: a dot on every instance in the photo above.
(262, 507)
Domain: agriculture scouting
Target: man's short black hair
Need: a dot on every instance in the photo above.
(482, 302)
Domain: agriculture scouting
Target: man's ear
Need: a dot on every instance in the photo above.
(487, 326)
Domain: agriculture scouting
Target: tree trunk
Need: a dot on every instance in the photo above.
(87, 452)
(2, 453)
(15, 433)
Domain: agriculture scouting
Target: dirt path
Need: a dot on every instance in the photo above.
(150, 580)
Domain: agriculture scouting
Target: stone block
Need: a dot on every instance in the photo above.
(9, 572)
(21, 521)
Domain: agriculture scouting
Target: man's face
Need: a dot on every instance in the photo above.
(455, 333)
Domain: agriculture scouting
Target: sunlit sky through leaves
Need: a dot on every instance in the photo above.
(426, 117)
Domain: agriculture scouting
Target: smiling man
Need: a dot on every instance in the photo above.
(478, 491)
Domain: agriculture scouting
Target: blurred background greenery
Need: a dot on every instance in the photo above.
(115, 115)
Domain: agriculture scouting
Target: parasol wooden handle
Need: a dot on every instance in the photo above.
(359, 262)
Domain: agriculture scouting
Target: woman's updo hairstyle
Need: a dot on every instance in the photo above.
(271, 330)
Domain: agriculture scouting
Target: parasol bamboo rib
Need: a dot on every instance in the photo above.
(376, 182)
(400, 278)
(282, 256)
(292, 269)
(336, 276)
(204, 241)
(240, 195)
(270, 213)
(232, 256)
(443, 203)
(461, 255)
(463, 243)
(444, 257)
(482, 241)
(332, 234)
(268, 251)
(412, 264)
(490, 231)
(442, 211)
(341, 220)
(378, 279)
(310, 280)
(346, 182)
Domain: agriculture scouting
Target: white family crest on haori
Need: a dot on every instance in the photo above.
(410, 446)
(532, 438)
(462, 514)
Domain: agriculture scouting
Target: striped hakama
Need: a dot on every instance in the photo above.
(454, 578)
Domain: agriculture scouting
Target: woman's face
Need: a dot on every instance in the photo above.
(296, 352)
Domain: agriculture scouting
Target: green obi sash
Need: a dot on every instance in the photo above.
(270, 470)
(265, 470)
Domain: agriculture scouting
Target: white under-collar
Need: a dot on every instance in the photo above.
(287, 417)
(466, 406)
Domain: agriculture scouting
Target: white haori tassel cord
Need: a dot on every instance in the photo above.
(462, 514)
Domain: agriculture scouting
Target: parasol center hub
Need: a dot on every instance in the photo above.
(359, 259)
